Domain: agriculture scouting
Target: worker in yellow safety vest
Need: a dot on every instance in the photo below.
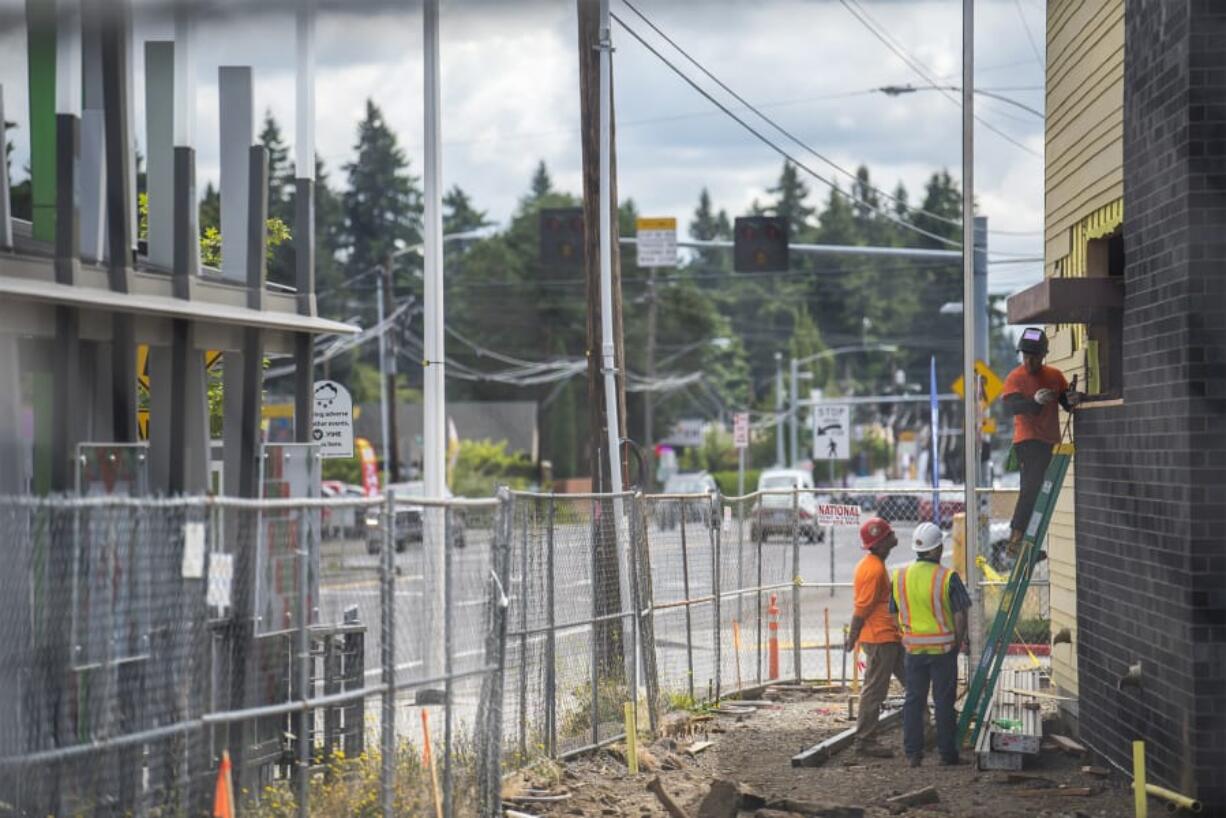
(931, 602)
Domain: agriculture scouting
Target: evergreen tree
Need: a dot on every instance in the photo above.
(210, 209)
(280, 198)
(459, 215)
(542, 184)
(707, 225)
(329, 238)
(866, 201)
(790, 194)
(901, 208)
(383, 203)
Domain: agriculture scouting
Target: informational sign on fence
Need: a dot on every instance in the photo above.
(333, 420)
(831, 431)
(656, 241)
(740, 430)
(838, 515)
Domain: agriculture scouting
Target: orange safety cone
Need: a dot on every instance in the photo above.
(772, 613)
(223, 795)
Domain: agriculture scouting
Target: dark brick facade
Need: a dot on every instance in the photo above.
(1151, 475)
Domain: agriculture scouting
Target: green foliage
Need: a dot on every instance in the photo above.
(483, 465)
(345, 469)
(277, 233)
(728, 480)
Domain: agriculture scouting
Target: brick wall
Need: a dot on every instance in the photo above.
(1151, 475)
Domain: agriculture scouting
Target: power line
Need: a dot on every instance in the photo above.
(1029, 36)
(880, 32)
(768, 142)
(780, 128)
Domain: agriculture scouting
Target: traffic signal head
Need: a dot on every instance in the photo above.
(760, 244)
(561, 233)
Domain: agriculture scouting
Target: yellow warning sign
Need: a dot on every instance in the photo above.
(992, 384)
(661, 223)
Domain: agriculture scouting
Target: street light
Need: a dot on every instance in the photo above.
(794, 420)
(899, 90)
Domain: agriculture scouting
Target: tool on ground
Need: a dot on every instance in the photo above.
(996, 644)
(427, 758)
(772, 613)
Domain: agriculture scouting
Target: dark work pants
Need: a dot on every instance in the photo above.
(1034, 456)
(940, 672)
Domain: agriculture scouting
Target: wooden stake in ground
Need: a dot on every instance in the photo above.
(826, 619)
(736, 647)
(427, 760)
(672, 807)
(632, 740)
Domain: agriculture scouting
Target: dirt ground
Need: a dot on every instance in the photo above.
(755, 752)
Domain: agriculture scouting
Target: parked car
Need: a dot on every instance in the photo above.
(948, 507)
(341, 522)
(668, 512)
(410, 523)
(773, 512)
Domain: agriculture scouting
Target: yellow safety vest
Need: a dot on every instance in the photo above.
(921, 594)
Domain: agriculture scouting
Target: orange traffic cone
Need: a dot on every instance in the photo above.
(223, 795)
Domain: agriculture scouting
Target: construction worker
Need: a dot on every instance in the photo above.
(931, 603)
(1031, 394)
(876, 629)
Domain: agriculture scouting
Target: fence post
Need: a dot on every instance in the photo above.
(387, 645)
(796, 583)
(551, 682)
(489, 708)
(758, 593)
(646, 610)
(523, 631)
(632, 604)
(832, 530)
(448, 636)
(304, 669)
(716, 587)
(689, 625)
(592, 643)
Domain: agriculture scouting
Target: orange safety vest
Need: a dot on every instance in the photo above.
(921, 594)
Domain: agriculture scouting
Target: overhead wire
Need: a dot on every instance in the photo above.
(770, 143)
(881, 33)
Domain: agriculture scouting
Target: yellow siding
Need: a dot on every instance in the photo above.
(1084, 180)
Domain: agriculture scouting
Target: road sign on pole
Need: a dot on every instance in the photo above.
(656, 240)
(740, 430)
(831, 431)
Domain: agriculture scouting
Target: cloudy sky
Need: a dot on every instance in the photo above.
(510, 97)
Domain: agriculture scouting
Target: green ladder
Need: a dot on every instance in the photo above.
(996, 646)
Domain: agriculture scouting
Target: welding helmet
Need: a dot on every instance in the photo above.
(1033, 341)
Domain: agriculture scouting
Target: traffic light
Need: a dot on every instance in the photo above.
(561, 232)
(760, 244)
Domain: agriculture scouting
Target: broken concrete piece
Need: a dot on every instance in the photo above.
(928, 795)
(1068, 745)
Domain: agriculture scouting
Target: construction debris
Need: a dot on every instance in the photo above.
(811, 809)
(927, 795)
(1062, 791)
(723, 800)
(697, 747)
(817, 755)
(656, 787)
(1068, 745)
(1097, 772)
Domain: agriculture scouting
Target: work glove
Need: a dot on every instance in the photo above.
(1044, 396)
(1074, 398)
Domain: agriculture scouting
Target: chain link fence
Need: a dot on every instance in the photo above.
(397, 655)
(355, 674)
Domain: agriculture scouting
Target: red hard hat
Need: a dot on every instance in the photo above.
(873, 531)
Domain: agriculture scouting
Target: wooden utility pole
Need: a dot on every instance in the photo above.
(393, 441)
(606, 582)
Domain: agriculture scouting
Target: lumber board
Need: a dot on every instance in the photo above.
(819, 753)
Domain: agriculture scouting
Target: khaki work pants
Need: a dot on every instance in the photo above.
(884, 660)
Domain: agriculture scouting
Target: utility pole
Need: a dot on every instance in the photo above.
(649, 397)
(605, 352)
(970, 403)
(392, 449)
(779, 458)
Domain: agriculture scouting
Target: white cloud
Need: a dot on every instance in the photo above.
(510, 97)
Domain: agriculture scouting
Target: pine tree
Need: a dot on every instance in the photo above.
(901, 208)
(459, 215)
(866, 201)
(383, 203)
(280, 198)
(707, 225)
(542, 184)
(790, 195)
(210, 209)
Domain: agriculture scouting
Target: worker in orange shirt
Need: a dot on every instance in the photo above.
(1031, 394)
(876, 629)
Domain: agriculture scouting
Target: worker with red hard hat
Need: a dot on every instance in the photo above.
(876, 630)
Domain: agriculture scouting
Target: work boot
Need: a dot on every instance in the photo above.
(952, 762)
(874, 751)
(915, 761)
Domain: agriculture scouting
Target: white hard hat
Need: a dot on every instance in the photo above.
(927, 538)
